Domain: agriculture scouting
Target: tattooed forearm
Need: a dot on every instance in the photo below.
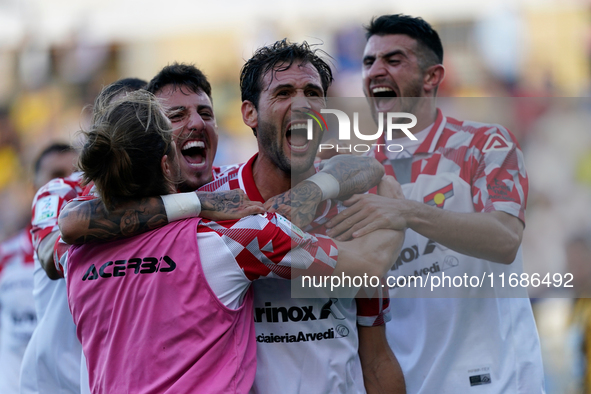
(227, 204)
(85, 221)
(224, 201)
(355, 174)
(298, 204)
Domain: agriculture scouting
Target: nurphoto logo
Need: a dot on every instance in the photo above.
(392, 124)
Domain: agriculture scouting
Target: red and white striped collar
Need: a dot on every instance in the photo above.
(246, 179)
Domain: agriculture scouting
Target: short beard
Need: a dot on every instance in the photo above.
(269, 145)
(275, 153)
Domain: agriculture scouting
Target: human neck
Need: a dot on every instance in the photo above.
(271, 180)
(425, 112)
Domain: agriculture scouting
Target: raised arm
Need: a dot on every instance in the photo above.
(295, 253)
(85, 221)
(354, 175)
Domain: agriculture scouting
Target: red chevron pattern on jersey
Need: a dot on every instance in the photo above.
(485, 156)
(267, 245)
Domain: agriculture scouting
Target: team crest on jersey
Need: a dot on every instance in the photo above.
(438, 197)
(497, 142)
(46, 208)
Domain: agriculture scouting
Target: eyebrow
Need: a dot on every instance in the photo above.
(290, 86)
(180, 108)
(385, 55)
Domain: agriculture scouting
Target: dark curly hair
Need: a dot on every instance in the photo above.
(281, 52)
(180, 75)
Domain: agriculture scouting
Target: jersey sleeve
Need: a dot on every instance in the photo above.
(270, 246)
(60, 251)
(499, 182)
(373, 311)
(48, 203)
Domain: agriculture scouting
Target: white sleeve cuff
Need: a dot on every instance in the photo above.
(327, 183)
(181, 206)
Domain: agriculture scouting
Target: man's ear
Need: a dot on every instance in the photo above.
(165, 165)
(250, 116)
(433, 77)
(172, 178)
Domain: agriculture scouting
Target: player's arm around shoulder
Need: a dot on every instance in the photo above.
(338, 178)
(373, 253)
(492, 232)
(381, 370)
(355, 174)
(88, 220)
(496, 173)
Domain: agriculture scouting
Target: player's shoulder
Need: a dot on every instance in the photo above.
(218, 172)
(483, 136)
(62, 187)
(254, 222)
(224, 181)
(237, 231)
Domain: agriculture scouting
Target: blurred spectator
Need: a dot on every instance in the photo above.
(17, 306)
(9, 150)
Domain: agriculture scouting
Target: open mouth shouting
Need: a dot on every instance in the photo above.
(297, 136)
(383, 92)
(195, 153)
(384, 97)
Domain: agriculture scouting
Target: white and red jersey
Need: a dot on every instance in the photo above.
(52, 359)
(17, 307)
(471, 344)
(267, 246)
(49, 202)
(218, 172)
(304, 345)
(483, 158)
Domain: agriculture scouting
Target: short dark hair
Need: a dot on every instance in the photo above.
(416, 28)
(180, 75)
(58, 147)
(267, 58)
(123, 85)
